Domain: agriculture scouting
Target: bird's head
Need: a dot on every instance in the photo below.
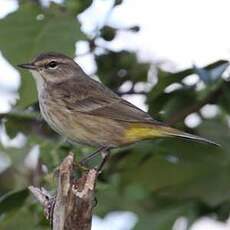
(52, 67)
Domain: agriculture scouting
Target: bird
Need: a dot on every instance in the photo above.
(85, 111)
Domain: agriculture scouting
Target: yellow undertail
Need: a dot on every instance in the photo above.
(140, 131)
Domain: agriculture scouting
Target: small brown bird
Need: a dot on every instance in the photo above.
(87, 112)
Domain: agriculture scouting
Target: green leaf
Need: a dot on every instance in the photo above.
(25, 218)
(108, 33)
(224, 100)
(165, 79)
(212, 72)
(12, 200)
(173, 165)
(28, 123)
(164, 218)
(177, 101)
(118, 2)
(114, 68)
(210, 187)
(77, 6)
(32, 30)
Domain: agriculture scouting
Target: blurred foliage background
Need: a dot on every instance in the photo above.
(158, 180)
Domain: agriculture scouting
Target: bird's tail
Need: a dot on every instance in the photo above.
(148, 131)
(168, 131)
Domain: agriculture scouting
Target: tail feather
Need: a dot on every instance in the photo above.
(142, 131)
(168, 131)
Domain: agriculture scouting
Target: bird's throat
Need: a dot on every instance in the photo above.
(39, 81)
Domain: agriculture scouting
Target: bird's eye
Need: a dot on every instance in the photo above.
(52, 65)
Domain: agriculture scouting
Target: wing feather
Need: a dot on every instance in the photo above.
(99, 100)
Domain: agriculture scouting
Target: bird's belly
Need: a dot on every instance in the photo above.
(53, 119)
(82, 128)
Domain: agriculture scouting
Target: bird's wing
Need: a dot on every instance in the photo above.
(99, 100)
(92, 98)
(114, 108)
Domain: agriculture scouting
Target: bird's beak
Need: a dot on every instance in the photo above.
(29, 66)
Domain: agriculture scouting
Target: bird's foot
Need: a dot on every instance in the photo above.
(92, 155)
(105, 157)
(81, 166)
(104, 151)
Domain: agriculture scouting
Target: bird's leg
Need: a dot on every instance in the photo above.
(92, 155)
(105, 153)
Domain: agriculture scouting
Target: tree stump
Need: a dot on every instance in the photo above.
(72, 207)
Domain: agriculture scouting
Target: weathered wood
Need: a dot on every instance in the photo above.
(73, 204)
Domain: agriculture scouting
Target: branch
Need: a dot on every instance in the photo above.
(212, 97)
(21, 115)
(73, 205)
(132, 91)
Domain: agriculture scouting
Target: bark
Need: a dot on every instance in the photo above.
(73, 204)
